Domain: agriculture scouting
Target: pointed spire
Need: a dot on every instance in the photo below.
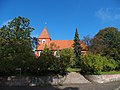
(44, 34)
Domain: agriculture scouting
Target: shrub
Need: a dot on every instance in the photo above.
(118, 65)
(61, 63)
(48, 62)
(94, 64)
(68, 52)
(45, 60)
(110, 65)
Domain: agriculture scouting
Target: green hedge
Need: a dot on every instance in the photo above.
(94, 64)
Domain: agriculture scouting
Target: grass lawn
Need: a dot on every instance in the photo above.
(73, 69)
(110, 72)
(101, 73)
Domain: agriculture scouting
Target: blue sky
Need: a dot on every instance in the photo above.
(63, 16)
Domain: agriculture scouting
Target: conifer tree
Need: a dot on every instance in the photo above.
(77, 48)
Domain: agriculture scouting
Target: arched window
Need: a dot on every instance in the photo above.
(43, 41)
(39, 53)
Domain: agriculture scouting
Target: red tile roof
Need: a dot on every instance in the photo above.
(44, 34)
(58, 44)
(61, 44)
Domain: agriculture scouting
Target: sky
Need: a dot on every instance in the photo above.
(62, 17)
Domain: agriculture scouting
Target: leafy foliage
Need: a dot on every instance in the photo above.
(68, 52)
(94, 64)
(35, 41)
(48, 62)
(107, 43)
(45, 60)
(16, 45)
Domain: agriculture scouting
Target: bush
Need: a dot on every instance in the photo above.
(45, 61)
(65, 60)
(48, 62)
(68, 52)
(110, 65)
(118, 65)
(60, 65)
(94, 64)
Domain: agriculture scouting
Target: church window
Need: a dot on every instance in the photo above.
(39, 53)
(43, 41)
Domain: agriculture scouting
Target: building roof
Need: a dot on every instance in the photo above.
(61, 44)
(44, 34)
(56, 44)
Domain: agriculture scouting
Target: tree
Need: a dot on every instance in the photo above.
(35, 41)
(86, 40)
(107, 43)
(16, 45)
(48, 62)
(77, 48)
(68, 52)
(45, 61)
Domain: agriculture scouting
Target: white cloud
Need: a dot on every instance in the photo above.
(103, 14)
(108, 14)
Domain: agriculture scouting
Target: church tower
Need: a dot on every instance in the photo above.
(44, 37)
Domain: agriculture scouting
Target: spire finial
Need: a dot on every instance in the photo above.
(45, 23)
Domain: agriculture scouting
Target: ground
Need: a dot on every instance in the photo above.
(90, 86)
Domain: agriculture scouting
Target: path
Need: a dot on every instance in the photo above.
(88, 86)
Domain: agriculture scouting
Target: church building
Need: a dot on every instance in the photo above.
(54, 45)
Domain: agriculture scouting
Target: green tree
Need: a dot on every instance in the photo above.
(68, 52)
(45, 61)
(35, 41)
(16, 46)
(77, 48)
(107, 43)
(48, 62)
(65, 60)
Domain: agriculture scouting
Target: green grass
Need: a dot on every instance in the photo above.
(110, 72)
(73, 69)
